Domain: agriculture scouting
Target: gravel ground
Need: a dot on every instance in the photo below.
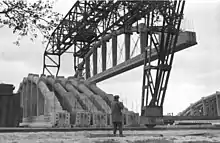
(176, 136)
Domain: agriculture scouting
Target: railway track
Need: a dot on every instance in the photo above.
(162, 127)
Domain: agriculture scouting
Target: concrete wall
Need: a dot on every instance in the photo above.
(45, 99)
(10, 110)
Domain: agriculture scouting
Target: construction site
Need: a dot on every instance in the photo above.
(150, 34)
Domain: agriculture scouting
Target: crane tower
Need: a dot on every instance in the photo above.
(87, 22)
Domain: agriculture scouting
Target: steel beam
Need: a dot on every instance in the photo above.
(127, 46)
(114, 49)
(185, 40)
(104, 52)
(143, 37)
(88, 21)
(87, 60)
(95, 61)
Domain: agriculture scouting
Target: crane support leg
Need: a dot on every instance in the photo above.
(156, 75)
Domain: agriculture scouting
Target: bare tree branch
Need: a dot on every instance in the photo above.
(29, 19)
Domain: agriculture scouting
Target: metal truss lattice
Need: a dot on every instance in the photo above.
(163, 24)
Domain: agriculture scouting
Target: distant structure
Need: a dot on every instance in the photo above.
(208, 106)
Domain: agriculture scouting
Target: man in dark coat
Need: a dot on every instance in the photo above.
(117, 116)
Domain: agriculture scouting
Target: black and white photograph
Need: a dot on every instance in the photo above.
(109, 71)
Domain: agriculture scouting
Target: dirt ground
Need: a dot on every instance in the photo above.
(175, 136)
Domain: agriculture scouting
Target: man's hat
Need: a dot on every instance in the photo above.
(116, 97)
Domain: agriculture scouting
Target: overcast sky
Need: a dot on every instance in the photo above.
(195, 72)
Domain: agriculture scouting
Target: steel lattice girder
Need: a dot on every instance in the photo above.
(88, 21)
(156, 87)
(187, 39)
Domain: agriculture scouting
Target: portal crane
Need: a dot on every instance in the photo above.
(88, 21)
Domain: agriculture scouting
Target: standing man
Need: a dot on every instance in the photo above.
(117, 116)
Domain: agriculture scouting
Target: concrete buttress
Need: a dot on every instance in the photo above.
(51, 102)
(86, 103)
(95, 99)
(108, 98)
(67, 99)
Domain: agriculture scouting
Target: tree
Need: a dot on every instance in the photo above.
(29, 19)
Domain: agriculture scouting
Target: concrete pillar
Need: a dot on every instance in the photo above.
(34, 99)
(114, 49)
(104, 52)
(213, 107)
(87, 67)
(31, 98)
(40, 102)
(35, 80)
(127, 45)
(205, 113)
(143, 37)
(21, 96)
(94, 61)
(26, 99)
(218, 102)
(37, 99)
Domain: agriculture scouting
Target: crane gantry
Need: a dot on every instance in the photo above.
(87, 22)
